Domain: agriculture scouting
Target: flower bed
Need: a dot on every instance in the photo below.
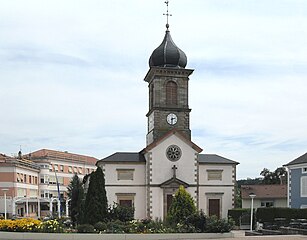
(31, 225)
(147, 226)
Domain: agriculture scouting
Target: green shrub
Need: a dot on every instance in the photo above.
(121, 213)
(269, 214)
(100, 227)
(182, 206)
(156, 226)
(116, 227)
(86, 228)
(195, 222)
(237, 213)
(51, 226)
(215, 225)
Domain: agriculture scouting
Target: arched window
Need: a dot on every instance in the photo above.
(171, 93)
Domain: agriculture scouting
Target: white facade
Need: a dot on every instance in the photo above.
(161, 169)
(149, 178)
(258, 203)
(133, 189)
(152, 182)
(221, 189)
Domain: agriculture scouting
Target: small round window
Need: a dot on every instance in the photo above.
(173, 153)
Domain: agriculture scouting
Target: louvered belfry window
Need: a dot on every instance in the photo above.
(171, 93)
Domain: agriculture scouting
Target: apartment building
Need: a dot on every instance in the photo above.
(36, 184)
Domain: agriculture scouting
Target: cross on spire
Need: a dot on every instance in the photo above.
(167, 14)
(174, 171)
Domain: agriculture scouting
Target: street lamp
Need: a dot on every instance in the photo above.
(4, 191)
(252, 196)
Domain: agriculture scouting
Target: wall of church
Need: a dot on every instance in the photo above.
(157, 203)
(111, 173)
(224, 193)
(137, 193)
(218, 186)
(133, 189)
(161, 168)
(228, 174)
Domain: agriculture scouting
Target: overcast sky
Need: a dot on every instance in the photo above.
(71, 75)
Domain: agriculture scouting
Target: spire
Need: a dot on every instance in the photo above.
(167, 14)
(168, 54)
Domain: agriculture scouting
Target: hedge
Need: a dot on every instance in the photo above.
(269, 214)
(236, 213)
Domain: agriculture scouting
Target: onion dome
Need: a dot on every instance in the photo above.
(168, 54)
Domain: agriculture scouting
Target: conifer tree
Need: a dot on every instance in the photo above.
(76, 194)
(182, 207)
(96, 204)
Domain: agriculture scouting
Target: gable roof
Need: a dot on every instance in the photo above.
(124, 157)
(214, 159)
(299, 160)
(264, 191)
(168, 134)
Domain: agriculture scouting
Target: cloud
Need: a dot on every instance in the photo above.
(248, 67)
(72, 73)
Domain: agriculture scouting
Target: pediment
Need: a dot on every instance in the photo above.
(174, 183)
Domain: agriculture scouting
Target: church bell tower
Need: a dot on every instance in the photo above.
(168, 82)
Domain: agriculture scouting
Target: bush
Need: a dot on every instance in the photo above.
(182, 206)
(86, 228)
(195, 222)
(50, 226)
(121, 213)
(215, 225)
(269, 214)
(100, 227)
(137, 226)
(117, 227)
(157, 226)
(237, 213)
(149, 226)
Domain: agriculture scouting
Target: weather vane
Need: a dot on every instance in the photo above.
(167, 14)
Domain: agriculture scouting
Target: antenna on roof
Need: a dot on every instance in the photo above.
(167, 14)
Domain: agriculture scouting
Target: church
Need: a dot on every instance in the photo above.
(148, 179)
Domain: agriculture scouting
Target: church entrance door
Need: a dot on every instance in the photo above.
(169, 202)
(214, 207)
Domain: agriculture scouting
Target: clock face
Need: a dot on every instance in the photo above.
(173, 153)
(171, 119)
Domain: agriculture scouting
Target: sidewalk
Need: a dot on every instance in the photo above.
(235, 235)
(240, 235)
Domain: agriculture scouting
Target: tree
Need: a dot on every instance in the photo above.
(76, 194)
(96, 203)
(279, 176)
(182, 207)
